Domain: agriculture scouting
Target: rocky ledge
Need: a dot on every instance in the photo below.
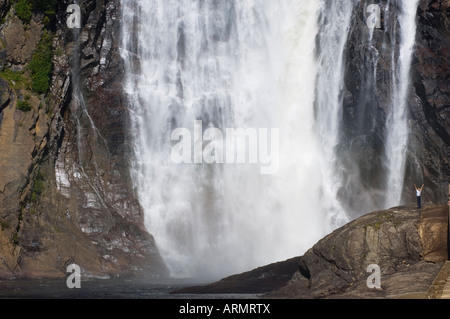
(409, 245)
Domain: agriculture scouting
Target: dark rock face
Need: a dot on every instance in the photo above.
(366, 104)
(430, 115)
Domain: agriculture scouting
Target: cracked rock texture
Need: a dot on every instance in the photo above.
(65, 191)
(398, 240)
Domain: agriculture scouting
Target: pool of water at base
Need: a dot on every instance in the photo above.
(105, 289)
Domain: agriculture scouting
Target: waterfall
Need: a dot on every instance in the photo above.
(334, 21)
(195, 69)
(228, 64)
(397, 124)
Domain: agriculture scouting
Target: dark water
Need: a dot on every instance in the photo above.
(104, 289)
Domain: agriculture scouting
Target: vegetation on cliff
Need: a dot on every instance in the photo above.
(24, 106)
(25, 8)
(41, 64)
(30, 74)
(16, 79)
(38, 186)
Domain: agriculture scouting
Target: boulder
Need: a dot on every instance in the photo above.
(433, 232)
(407, 244)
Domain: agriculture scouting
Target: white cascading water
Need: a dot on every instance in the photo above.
(335, 17)
(230, 64)
(245, 64)
(397, 124)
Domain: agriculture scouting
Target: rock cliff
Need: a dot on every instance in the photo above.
(66, 195)
(429, 111)
(366, 103)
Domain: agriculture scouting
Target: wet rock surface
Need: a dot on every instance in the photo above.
(370, 54)
(260, 280)
(430, 109)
